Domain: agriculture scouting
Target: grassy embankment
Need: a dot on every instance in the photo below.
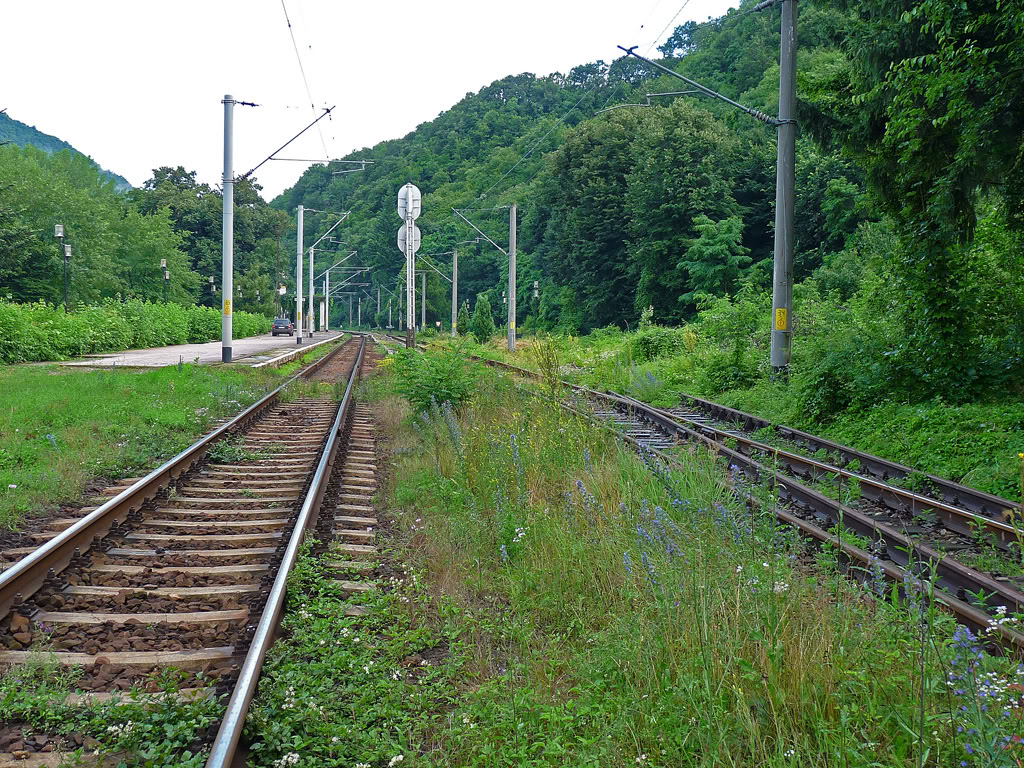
(126, 422)
(976, 443)
(61, 428)
(549, 600)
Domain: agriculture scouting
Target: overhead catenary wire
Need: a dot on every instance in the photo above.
(302, 70)
(755, 113)
(670, 23)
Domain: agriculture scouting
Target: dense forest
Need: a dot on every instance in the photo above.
(908, 210)
(118, 239)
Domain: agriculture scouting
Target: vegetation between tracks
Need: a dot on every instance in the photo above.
(717, 357)
(594, 612)
(157, 728)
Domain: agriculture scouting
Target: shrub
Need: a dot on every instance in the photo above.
(654, 341)
(39, 332)
(434, 377)
(462, 323)
(482, 323)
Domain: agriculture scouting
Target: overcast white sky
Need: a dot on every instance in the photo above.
(137, 84)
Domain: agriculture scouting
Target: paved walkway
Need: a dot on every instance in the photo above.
(252, 350)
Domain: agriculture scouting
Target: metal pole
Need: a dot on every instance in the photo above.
(423, 301)
(228, 265)
(455, 289)
(65, 249)
(311, 323)
(782, 283)
(298, 279)
(389, 313)
(359, 312)
(410, 274)
(512, 278)
(378, 305)
(327, 300)
(350, 311)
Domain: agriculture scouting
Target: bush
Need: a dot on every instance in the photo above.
(39, 332)
(434, 377)
(462, 322)
(654, 341)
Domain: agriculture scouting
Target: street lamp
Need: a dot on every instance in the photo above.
(167, 276)
(58, 232)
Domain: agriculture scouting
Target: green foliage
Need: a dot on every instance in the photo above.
(482, 324)
(654, 341)
(40, 332)
(588, 593)
(61, 427)
(23, 135)
(134, 729)
(931, 115)
(462, 321)
(434, 377)
(716, 259)
(327, 659)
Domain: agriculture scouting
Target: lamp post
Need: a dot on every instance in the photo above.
(58, 232)
(167, 276)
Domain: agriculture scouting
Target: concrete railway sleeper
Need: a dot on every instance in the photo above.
(187, 567)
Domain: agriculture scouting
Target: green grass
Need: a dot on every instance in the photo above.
(152, 729)
(976, 444)
(600, 614)
(61, 428)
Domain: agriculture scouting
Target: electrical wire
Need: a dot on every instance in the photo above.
(302, 70)
(670, 23)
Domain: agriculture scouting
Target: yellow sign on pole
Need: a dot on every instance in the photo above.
(227, 306)
(781, 320)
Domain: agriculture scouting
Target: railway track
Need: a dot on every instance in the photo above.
(906, 531)
(187, 567)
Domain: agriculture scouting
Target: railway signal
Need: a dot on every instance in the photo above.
(409, 208)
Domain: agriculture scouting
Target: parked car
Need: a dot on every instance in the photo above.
(282, 325)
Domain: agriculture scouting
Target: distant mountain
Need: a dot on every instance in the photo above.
(22, 134)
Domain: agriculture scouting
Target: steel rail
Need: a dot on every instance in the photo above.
(952, 493)
(971, 499)
(965, 518)
(966, 613)
(25, 577)
(952, 576)
(955, 584)
(228, 735)
(898, 499)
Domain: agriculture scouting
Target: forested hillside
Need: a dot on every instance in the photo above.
(118, 239)
(23, 135)
(907, 216)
